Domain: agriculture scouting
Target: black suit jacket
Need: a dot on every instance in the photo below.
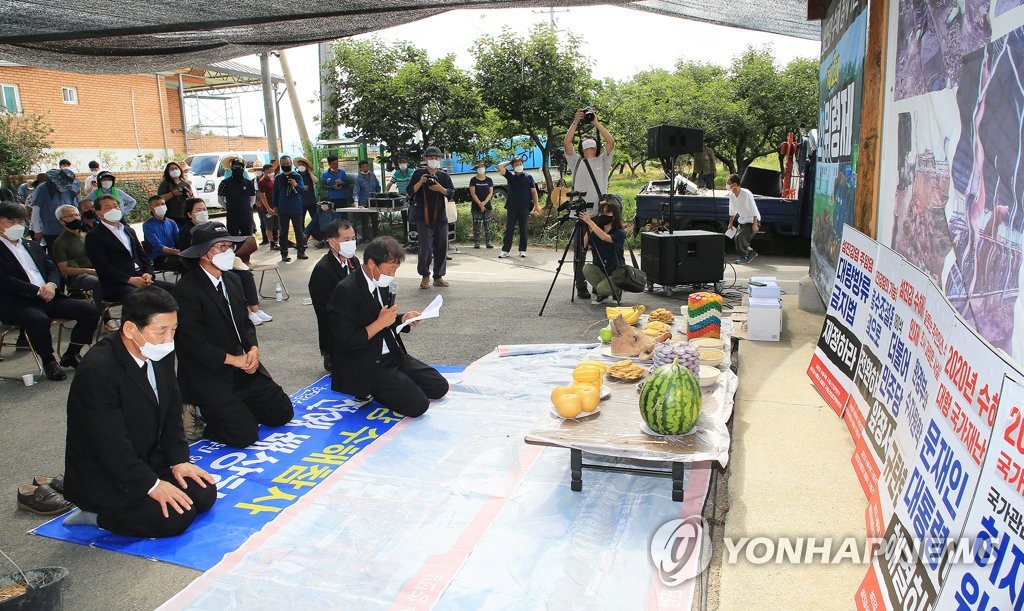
(113, 263)
(120, 437)
(205, 336)
(326, 275)
(16, 292)
(357, 357)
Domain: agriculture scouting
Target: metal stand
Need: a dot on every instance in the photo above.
(576, 234)
(576, 467)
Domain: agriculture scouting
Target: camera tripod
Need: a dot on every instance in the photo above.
(574, 242)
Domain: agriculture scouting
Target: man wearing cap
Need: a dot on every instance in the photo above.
(238, 196)
(588, 165)
(117, 255)
(430, 189)
(29, 297)
(106, 186)
(61, 187)
(219, 358)
(335, 182)
(288, 205)
(522, 191)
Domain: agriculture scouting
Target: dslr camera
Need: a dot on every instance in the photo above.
(589, 114)
(431, 180)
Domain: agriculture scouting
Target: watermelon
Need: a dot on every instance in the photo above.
(670, 401)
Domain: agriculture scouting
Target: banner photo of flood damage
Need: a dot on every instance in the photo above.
(951, 189)
(843, 40)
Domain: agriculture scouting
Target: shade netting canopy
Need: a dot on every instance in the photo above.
(133, 36)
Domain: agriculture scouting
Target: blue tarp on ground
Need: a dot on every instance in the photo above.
(256, 483)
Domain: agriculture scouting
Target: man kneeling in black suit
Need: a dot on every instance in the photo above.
(126, 463)
(219, 366)
(369, 357)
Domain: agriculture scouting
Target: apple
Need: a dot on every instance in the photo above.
(606, 334)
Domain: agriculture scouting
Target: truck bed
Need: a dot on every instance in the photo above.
(711, 212)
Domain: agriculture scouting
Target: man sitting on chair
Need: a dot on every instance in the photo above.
(369, 357)
(219, 360)
(126, 463)
(331, 269)
(117, 254)
(29, 280)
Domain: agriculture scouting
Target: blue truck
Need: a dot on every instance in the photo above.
(461, 171)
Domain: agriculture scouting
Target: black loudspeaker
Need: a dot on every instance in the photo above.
(762, 182)
(683, 257)
(666, 141)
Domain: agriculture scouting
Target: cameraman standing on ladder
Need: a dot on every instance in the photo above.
(590, 170)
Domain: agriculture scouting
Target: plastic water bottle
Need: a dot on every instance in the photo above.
(278, 292)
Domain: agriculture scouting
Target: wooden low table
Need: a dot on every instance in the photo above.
(616, 430)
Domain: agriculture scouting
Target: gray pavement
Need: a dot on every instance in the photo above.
(490, 302)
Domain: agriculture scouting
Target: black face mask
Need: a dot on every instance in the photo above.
(89, 214)
(604, 219)
(286, 168)
(237, 172)
(75, 225)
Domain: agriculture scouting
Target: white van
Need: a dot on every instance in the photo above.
(207, 171)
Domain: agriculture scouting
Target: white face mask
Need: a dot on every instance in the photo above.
(518, 169)
(303, 169)
(347, 249)
(403, 166)
(95, 172)
(385, 281)
(160, 211)
(201, 216)
(106, 184)
(224, 261)
(433, 164)
(155, 352)
(113, 215)
(481, 171)
(15, 232)
(175, 173)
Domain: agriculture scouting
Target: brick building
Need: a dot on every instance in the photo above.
(128, 121)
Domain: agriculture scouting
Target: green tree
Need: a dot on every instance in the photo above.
(393, 93)
(23, 141)
(535, 84)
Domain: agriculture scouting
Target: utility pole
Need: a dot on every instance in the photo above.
(268, 106)
(551, 13)
(293, 98)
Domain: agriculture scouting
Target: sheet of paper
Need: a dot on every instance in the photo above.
(730, 233)
(431, 311)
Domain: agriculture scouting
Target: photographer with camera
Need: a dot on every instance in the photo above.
(522, 189)
(590, 169)
(288, 186)
(608, 239)
(430, 189)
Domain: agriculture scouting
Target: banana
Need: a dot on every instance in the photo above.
(631, 314)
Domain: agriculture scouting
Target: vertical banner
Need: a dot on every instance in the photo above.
(843, 42)
(834, 363)
(987, 572)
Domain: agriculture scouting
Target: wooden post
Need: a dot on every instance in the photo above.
(872, 119)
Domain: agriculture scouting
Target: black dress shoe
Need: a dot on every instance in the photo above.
(286, 259)
(54, 371)
(302, 255)
(70, 360)
(273, 246)
(584, 294)
(43, 500)
(57, 483)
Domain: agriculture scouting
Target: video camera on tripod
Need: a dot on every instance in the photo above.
(575, 202)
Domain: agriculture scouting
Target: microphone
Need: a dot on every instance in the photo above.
(392, 293)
